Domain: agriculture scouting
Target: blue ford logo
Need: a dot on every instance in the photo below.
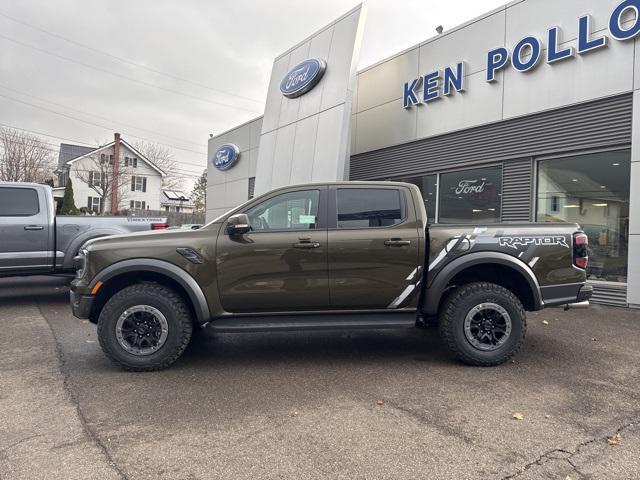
(303, 77)
(226, 156)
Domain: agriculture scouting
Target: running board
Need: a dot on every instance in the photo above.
(287, 323)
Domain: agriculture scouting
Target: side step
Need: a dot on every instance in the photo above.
(338, 321)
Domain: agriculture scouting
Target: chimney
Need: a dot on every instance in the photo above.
(115, 180)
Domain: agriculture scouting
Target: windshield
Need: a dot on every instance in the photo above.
(220, 217)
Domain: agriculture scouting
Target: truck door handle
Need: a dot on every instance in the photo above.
(34, 227)
(306, 243)
(397, 242)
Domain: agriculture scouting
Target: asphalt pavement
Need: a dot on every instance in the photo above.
(335, 405)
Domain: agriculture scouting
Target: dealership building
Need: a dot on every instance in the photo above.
(530, 112)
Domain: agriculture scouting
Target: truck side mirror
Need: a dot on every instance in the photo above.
(238, 224)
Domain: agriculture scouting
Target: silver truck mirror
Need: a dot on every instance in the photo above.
(238, 224)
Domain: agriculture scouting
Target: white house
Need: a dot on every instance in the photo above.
(101, 183)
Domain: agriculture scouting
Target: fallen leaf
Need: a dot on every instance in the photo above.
(380, 402)
(518, 416)
(568, 478)
(614, 439)
(544, 322)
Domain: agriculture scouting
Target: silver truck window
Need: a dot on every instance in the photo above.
(18, 202)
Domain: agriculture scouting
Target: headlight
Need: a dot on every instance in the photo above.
(79, 261)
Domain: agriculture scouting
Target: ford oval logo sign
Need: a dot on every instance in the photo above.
(226, 156)
(303, 77)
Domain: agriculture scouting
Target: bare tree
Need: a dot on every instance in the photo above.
(97, 172)
(24, 157)
(162, 157)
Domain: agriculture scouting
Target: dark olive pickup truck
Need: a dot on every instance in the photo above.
(356, 255)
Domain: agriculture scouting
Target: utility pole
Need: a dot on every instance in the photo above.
(115, 182)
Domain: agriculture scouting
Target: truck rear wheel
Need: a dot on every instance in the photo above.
(483, 324)
(144, 327)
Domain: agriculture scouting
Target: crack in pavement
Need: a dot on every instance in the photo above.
(93, 436)
(427, 420)
(15, 444)
(567, 455)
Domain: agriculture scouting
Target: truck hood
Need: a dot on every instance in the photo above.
(150, 238)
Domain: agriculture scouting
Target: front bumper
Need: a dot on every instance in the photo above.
(80, 304)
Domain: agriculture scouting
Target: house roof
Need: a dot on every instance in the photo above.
(69, 152)
(91, 151)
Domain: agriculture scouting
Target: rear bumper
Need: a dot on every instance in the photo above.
(585, 293)
(557, 295)
(81, 304)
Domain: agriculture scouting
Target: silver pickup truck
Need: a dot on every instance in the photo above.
(34, 241)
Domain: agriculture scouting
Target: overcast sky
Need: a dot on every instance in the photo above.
(215, 60)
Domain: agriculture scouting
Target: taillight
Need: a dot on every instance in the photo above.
(159, 226)
(580, 250)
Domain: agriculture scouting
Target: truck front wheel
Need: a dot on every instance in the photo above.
(144, 327)
(483, 324)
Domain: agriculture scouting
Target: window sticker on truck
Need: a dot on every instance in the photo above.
(515, 242)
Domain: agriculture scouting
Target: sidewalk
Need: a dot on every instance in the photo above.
(42, 434)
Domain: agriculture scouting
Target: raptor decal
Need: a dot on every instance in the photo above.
(516, 242)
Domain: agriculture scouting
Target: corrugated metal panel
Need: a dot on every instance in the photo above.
(609, 294)
(595, 124)
(517, 194)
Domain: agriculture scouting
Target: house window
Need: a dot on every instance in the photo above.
(137, 205)
(593, 191)
(471, 196)
(95, 179)
(138, 184)
(130, 162)
(93, 204)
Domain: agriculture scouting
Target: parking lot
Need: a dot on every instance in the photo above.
(316, 405)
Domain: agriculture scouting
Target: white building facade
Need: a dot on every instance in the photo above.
(138, 185)
(530, 112)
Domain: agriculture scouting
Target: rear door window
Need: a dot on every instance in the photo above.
(369, 207)
(18, 202)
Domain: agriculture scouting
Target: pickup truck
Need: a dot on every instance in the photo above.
(34, 241)
(355, 255)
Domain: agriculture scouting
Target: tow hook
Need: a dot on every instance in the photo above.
(577, 306)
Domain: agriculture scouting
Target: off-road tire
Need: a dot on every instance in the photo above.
(169, 303)
(460, 303)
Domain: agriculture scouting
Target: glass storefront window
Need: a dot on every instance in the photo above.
(428, 185)
(593, 191)
(471, 196)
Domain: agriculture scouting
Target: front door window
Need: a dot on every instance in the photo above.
(289, 211)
